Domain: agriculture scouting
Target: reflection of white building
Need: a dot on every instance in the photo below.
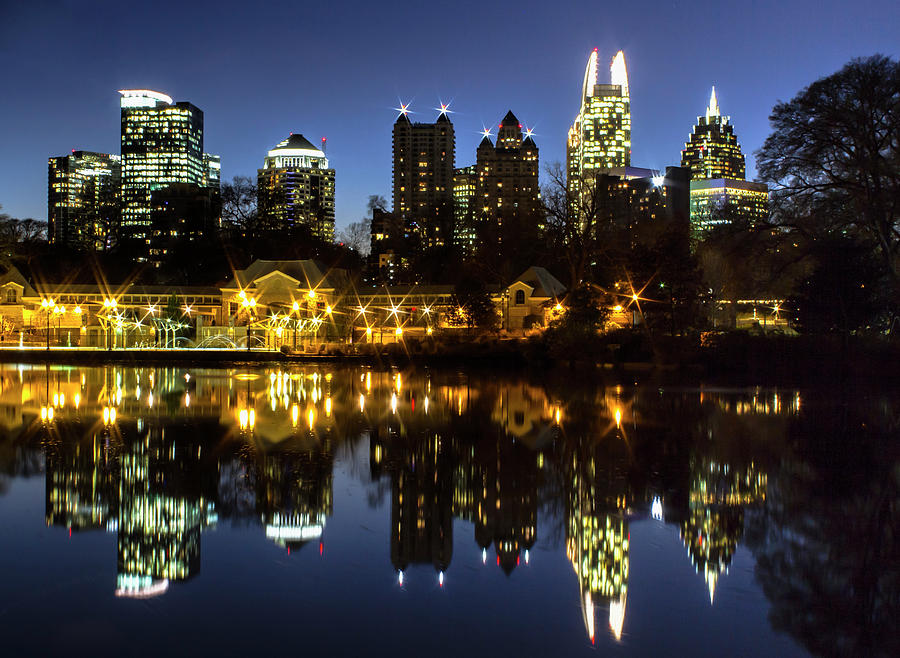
(287, 529)
(131, 586)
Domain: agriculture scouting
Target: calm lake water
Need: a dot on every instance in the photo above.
(356, 511)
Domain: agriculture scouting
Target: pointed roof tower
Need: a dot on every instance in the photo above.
(510, 120)
(509, 133)
(712, 110)
(713, 151)
(618, 75)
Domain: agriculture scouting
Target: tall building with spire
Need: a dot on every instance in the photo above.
(423, 170)
(600, 137)
(719, 191)
(507, 173)
(713, 150)
(502, 186)
(295, 188)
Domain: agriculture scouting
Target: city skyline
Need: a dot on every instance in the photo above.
(246, 114)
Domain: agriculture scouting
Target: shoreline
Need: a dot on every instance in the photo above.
(749, 360)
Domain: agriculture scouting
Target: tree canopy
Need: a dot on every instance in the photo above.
(833, 158)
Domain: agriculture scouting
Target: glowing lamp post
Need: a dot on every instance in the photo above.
(110, 305)
(295, 308)
(49, 306)
(59, 311)
(249, 305)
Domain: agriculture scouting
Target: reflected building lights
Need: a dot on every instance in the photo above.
(715, 519)
(134, 478)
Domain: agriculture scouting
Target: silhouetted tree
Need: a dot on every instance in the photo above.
(844, 292)
(239, 212)
(572, 222)
(473, 301)
(357, 236)
(833, 158)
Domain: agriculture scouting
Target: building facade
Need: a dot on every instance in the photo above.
(721, 200)
(162, 143)
(181, 214)
(507, 174)
(386, 260)
(600, 137)
(295, 189)
(83, 202)
(423, 168)
(465, 186)
(640, 200)
(271, 304)
(712, 150)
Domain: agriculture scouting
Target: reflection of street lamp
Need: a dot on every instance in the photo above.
(48, 305)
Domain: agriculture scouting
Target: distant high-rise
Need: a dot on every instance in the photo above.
(181, 214)
(507, 173)
(642, 201)
(722, 200)
(162, 143)
(465, 185)
(83, 199)
(295, 189)
(385, 245)
(423, 177)
(600, 137)
(212, 166)
(713, 150)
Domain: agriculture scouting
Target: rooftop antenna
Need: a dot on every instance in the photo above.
(325, 145)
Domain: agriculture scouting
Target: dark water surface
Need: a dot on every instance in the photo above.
(348, 511)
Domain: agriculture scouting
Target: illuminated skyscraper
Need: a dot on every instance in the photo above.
(713, 150)
(710, 198)
(423, 178)
(83, 199)
(600, 138)
(507, 173)
(212, 166)
(714, 158)
(162, 143)
(295, 189)
(465, 183)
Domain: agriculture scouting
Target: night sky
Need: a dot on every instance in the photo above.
(260, 70)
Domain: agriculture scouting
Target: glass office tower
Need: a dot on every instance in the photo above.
(83, 199)
(162, 143)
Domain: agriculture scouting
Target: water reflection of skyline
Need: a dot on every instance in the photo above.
(157, 456)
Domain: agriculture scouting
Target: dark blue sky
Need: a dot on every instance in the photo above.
(260, 70)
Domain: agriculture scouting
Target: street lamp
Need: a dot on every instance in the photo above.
(249, 305)
(58, 311)
(48, 305)
(110, 305)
